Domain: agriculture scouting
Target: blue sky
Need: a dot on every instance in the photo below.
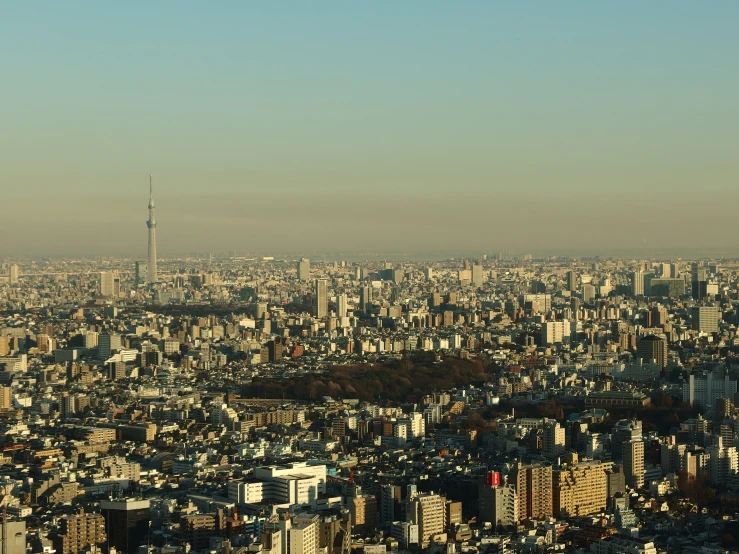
(358, 124)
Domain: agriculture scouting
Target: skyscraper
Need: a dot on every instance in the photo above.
(637, 283)
(140, 273)
(571, 281)
(632, 453)
(304, 269)
(13, 274)
(321, 298)
(151, 267)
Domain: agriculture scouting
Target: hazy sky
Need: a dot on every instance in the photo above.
(377, 125)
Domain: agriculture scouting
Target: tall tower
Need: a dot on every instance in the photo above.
(151, 266)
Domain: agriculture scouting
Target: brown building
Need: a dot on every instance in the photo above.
(453, 513)
(363, 510)
(79, 532)
(534, 486)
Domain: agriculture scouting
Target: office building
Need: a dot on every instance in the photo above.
(107, 342)
(637, 283)
(555, 332)
(151, 266)
(140, 273)
(365, 299)
(667, 287)
(632, 454)
(704, 319)
(580, 489)
(110, 284)
(13, 274)
(652, 348)
(588, 293)
(304, 269)
(571, 281)
(699, 282)
(126, 523)
(536, 303)
(342, 306)
(321, 298)
(478, 277)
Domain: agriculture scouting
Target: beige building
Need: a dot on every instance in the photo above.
(428, 511)
(633, 460)
(580, 489)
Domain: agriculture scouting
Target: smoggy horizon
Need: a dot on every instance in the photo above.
(413, 128)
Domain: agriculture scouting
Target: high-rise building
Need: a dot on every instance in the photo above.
(555, 332)
(342, 306)
(580, 489)
(151, 267)
(321, 298)
(78, 532)
(13, 274)
(588, 293)
(478, 277)
(632, 452)
(699, 282)
(107, 343)
(304, 269)
(624, 430)
(637, 283)
(127, 523)
(571, 281)
(363, 510)
(553, 439)
(110, 284)
(6, 402)
(140, 273)
(534, 486)
(428, 511)
(365, 299)
(390, 503)
(652, 347)
(704, 319)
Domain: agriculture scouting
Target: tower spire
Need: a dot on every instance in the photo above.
(151, 267)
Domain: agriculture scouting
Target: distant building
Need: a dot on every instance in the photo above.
(140, 273)
(321, 298)
(704, 319)
(304, 269)
(637, 283)
(571, 281)
(110, 284)
(652, 347)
